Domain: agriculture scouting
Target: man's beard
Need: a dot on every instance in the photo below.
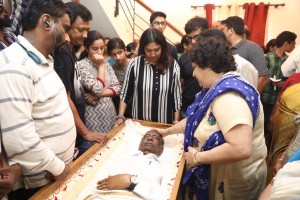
(5, 22)
(59, 43)
(59, 48)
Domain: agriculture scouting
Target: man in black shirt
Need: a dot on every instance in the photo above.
(66, 67)
(190, 86)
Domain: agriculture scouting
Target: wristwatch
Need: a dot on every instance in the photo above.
(133, 182)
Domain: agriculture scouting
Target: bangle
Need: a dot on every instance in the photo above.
(195, 158)
(119, 117)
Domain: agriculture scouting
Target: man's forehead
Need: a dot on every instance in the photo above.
(65, 18)
(195, 32)
(159, 18)
(153, 133)
(79, 22)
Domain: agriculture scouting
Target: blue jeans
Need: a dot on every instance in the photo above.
(82, 144)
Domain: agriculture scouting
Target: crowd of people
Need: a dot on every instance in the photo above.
(69, 85)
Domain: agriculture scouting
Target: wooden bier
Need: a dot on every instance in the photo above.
(50, 188)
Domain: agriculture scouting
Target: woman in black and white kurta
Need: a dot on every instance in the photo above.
(151, 88)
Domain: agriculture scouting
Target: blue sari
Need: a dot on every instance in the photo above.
(198, 177)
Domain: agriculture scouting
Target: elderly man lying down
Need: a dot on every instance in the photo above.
(139, 171)
(161, 167)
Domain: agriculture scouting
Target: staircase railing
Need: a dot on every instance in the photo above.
(135, 20)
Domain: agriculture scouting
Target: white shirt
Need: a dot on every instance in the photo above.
(292, 63)
(148, 170)
(36, 121)
(246, 70)
(286, 182)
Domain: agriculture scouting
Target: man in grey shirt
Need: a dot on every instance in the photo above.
(233, 27)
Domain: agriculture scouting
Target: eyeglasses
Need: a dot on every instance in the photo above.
(157, 23)
(195, 37)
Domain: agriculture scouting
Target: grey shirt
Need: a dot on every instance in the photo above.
(120, 72)
(253, 53)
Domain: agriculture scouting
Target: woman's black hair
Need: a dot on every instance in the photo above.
(92, 36)
(153, 35)
(213, 53)
(115, 43)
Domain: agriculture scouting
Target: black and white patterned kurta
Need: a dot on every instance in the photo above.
(154, 96)
(100, 115)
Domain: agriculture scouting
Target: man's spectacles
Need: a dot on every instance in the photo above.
(195, 37)
(157, 23)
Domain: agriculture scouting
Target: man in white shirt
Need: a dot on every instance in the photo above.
(246, 70)
(37, 124)
(292, 63)
(139, 172)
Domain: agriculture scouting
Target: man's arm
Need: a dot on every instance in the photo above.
(116, 182)
(266, 193)
(258, 60)
(8, 177)
(63, 65)
(148, 189)
(262, 82)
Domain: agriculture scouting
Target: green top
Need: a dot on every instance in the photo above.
(269, 95)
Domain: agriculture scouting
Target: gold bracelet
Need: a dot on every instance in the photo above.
(195, 158)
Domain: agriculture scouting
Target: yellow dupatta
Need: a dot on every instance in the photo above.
(284, 128)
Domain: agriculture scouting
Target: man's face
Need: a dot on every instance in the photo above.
(290, 46)
(217, 25)
(192, 36)
(4, 19)
(78, 31)
(188, 47)
(227, 31)
(159, 23)
(152, 143)
(61, 29)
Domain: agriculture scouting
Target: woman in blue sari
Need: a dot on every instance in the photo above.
(224, 138)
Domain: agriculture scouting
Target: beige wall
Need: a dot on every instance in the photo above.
(279, 19)
(180, 11)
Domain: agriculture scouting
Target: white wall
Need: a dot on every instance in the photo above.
(180, 11)
(279, 19)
